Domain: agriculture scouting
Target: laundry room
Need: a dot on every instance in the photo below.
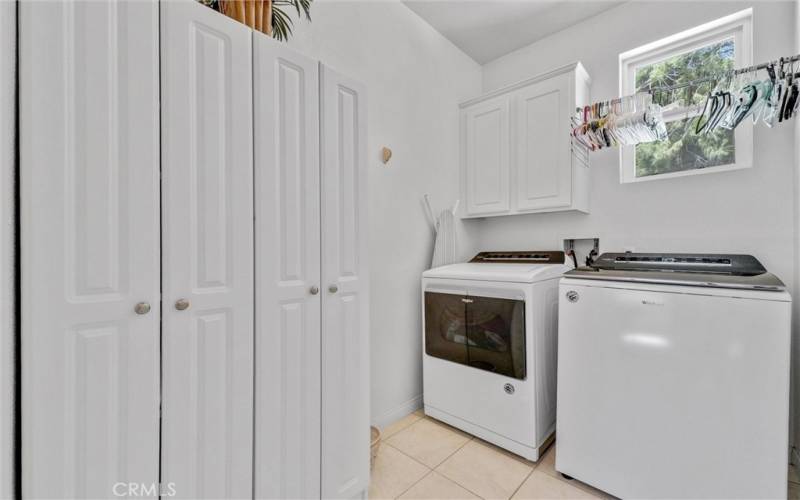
(418, 249)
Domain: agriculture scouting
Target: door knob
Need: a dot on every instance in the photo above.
(333, 288)
(314, 290)
(142, 308)
(182, 304)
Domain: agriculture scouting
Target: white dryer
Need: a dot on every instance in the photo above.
(489, 347)
(673, 377)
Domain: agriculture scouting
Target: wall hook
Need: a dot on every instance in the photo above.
(386, 154)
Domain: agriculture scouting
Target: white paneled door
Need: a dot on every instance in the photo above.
(486, 142)
(207, 230)
(287, 343)
(8, 250)
(542, 165)
(345, 308)
(89, 131)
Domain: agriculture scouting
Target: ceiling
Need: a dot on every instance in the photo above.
(488, 29)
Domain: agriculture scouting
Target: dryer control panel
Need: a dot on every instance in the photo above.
(530, 257)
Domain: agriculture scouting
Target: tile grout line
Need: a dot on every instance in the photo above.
(523, 482)
(409, 456)
(471, 438)
(457, 483)
(521, 460)
(535, 466)
(435, 468)
(386, 437)
(415, 483)
(432, 469)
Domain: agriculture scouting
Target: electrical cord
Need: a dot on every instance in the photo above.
(571, 253)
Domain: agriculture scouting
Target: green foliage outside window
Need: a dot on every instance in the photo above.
(685, 150)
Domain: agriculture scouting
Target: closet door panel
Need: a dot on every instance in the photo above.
(207, 183)
(287, 425)
(8, 251)
(90, 247)
(345, 325)
(542, 164)
(485, 132)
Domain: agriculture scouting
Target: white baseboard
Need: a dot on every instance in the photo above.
(398, 412)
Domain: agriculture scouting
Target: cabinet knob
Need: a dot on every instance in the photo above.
(314, 290)
(333, 288)
(182, 304)
(142, 308)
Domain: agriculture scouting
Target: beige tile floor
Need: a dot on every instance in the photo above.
(422, 458)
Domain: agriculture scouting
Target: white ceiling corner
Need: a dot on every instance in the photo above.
(488, 29)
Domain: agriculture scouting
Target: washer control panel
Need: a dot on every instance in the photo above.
(741, 265)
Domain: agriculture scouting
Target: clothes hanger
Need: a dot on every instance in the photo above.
(791, 92)
(724, 100)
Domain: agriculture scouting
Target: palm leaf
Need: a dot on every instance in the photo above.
(303, 6)
(281, 24)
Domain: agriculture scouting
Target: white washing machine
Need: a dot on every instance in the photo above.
(489, 347)
(673, 377)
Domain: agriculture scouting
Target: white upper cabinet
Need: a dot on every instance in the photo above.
(515, 147)
(486, 146)
(542, 158)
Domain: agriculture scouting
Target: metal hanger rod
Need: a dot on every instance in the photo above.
(748, 69)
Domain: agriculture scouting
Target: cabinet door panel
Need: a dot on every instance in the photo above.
(90, 247)
(287, 343)
(542, 165)
(486, 154)
(345, 301)
(207, 165)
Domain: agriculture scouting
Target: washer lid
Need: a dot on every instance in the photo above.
(513, 273)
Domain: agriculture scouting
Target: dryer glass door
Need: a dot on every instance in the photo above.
(487, 333)
(445, 334)
(496, 335)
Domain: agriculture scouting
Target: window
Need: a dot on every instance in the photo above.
(691, 55)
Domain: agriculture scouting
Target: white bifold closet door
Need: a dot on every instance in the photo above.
(207, 231)
(287, 418)
(89, 131)
(345, 299)
(312, 349)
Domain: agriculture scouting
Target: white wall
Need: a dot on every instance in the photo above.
(749, 211)
(414, 79)
(8, 19)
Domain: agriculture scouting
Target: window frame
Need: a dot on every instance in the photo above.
(739, 27)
